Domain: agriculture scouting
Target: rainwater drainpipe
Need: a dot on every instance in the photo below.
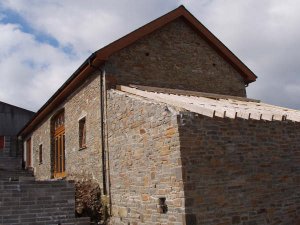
(103, 143)
(103, 134)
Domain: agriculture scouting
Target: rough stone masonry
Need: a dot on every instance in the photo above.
(169, 166)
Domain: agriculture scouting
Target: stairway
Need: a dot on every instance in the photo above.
(11, 164)
(28, 202)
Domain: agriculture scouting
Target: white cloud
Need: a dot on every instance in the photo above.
(86, 26)
(30, 71)
(262, 33)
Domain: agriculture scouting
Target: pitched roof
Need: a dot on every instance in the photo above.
(181, 11)
(213, 105)
(99, 57)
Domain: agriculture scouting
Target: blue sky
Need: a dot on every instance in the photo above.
(13, 17)
(43, 42)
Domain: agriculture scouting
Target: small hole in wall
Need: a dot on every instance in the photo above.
(214, 64)
(162, 206)
(147, 54)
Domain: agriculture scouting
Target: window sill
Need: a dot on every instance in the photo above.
(82, 148)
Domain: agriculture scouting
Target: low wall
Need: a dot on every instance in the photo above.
(240, 171)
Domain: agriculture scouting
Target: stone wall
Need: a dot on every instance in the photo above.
(41, 136)
(240, 172)
(145, 162)
(82, 165)
(37, 203)
(12, 119)
(175, 57)
(85, 102)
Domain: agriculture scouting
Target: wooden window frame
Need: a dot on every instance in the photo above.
(82, 133)
(58, 147)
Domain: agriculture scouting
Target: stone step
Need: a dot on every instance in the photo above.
(18, 178)
(38, 202)
(10, 148)
(7, 161)
(82, 221)
(28, 202)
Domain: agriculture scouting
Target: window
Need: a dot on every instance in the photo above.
(41, 154)
(82, 133)
(2, 142)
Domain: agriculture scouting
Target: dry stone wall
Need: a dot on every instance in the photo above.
(145, 162)
(175, 56)
(240, 172)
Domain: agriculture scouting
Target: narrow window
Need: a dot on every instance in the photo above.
(41, 154)
(82, 133)
(28, 153)
(2, 142)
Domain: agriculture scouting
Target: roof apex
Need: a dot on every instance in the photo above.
(105, 52)
(99, 57)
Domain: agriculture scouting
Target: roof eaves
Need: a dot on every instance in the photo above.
(55, 99)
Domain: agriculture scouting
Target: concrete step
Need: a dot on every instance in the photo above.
(38, 202)
(82, 221)
(16, 177)
(28, 202)
(10, 163)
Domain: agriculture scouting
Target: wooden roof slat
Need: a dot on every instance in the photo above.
(229, 108)
(293, 118)
(197, 109)
(191, 93)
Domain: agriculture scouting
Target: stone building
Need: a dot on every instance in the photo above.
(12, 120)
(160, 121)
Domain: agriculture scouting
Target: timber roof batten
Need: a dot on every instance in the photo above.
(98, 58)
(214, 105)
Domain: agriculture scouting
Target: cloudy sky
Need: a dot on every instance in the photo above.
(43, 42)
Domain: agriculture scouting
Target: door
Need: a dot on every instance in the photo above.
(2, 141)
(59, 146)
(28, 153)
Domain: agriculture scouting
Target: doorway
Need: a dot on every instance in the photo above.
(59, 167)
(28, 153)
